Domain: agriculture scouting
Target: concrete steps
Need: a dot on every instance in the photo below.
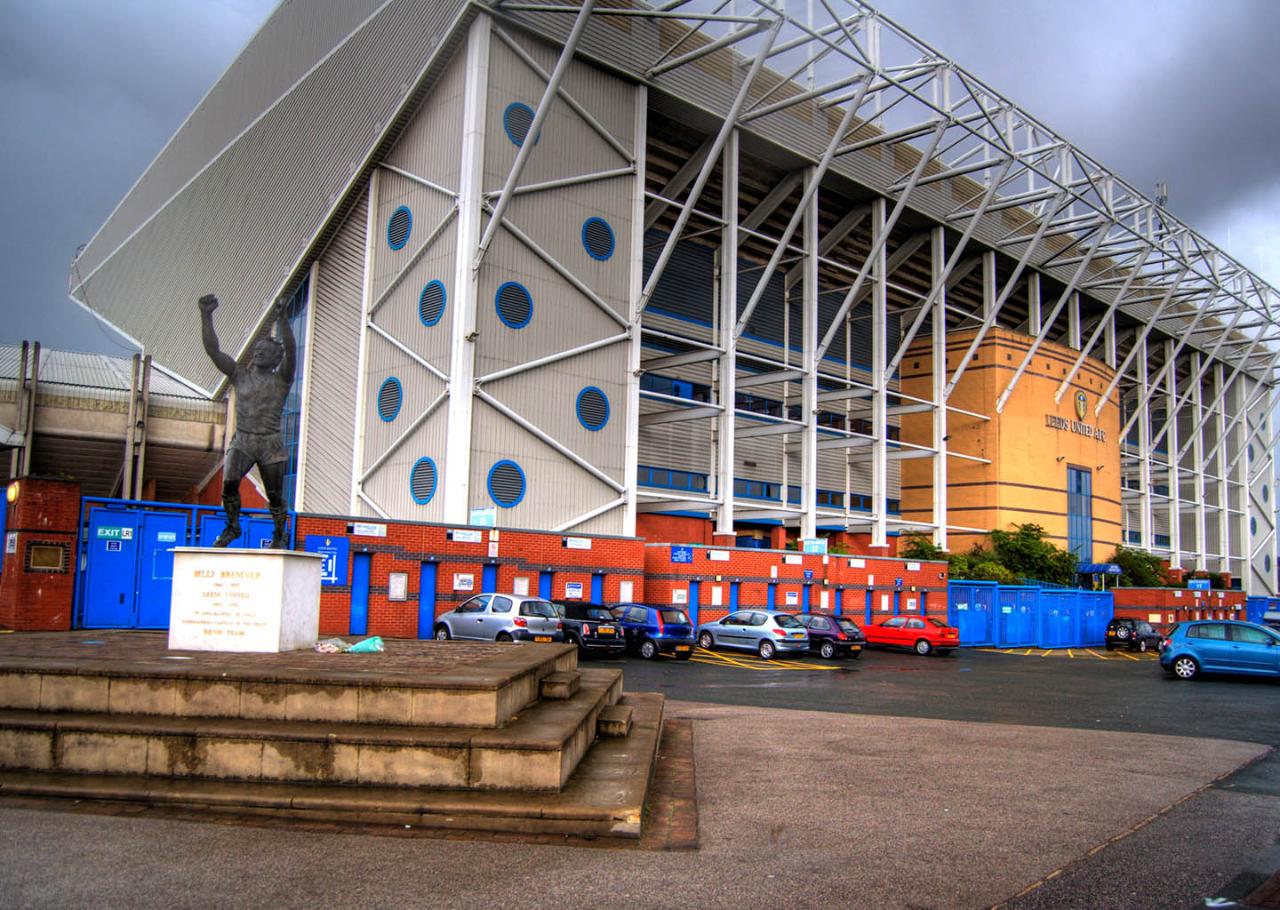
(337, 690)
(615, 721)
(604, 796)
(537, 750)
(561, 684)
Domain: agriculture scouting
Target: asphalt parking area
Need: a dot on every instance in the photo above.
(1075, 653)
(744, 660)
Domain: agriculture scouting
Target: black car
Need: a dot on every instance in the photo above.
(1133, 634)
(592, 628)
(833, 636)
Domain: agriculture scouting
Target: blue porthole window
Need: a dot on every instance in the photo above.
(399, 226)
(1253, 525)
(593, 408)
(516, 120)
(506, 483)
(422, 481)
(390, 397)
(515, 305)
(597, 238)
(1266, 563)
(1266, 492)
(1251, 453)
(431, 303)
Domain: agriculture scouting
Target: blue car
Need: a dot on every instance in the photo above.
(651, 631)
(1220, 646)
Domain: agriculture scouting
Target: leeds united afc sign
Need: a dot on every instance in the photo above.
(1077, 426)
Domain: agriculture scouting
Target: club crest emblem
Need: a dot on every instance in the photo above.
(1081, 402)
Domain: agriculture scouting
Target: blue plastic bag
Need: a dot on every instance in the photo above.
(368, 646)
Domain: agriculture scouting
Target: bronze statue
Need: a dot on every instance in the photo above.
(261, 388)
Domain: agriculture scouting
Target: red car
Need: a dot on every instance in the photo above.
(923, 634)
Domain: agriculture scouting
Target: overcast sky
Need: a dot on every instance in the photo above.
(1183, 91)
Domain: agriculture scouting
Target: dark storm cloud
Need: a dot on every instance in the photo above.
(89, 93)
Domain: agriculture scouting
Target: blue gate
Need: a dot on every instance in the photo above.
(1254, 607)
(971, 607)
(1096, 610)
(1059, 619)
(125, 577)
(1016, 621)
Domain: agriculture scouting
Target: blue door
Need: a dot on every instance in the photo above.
(427, 599)
(897, 603)
(838, 606)
(869, 596)
(771, 598)
(111, 569)
(804, 598)
(597, 589)
(489, 580)
(159, 533)
(255, 530)
(360, 593)
(544, 584)
(695, 588)
(733, 597)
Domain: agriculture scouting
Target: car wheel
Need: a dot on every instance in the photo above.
(648, 649)
(767, 650)
(706, 642)
(442, 633)
(505, 636)
(1142, 646)
(923, 648)
(1186, 668)
(828, 650)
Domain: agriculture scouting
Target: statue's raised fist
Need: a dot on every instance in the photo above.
(208, 303)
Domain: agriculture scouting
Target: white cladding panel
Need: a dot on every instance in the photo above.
(333, 360)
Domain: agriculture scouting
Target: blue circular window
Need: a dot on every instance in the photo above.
(422, 481)
(431, 303)
(1251, 452)
(597, 238)
(593, 408)
(516, 120)
(1253, 525)
(1266, 492)
(390, 397)
(1266, 562)
(515, 306)
(399, 226)
(506, 483)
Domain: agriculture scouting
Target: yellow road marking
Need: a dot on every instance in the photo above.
(1071, 654)
(715, 659)
(1028, 652)
(1130, 656)
(1046, 653)
(1097, 655)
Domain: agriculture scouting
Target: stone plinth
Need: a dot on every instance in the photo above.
(244, 600)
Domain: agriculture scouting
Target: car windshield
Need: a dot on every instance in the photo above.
(675, 616)
(787, 621)
(538, 608)
(850, 627)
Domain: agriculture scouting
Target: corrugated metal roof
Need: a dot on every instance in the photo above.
(99, 372)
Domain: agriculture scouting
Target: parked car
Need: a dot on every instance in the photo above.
(1134, 634)
(592, 628)
(1220, 646)
(767, 632)
(833, 636)
(501, 617)
(651, 631)
(923, 634)
(1271, 618)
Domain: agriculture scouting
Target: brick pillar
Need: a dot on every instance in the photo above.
(38, 582)
(777, 538)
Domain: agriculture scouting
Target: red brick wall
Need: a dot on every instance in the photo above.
(46, 511)
(755, 570)
(673, 528)
(1177, 604)
(520, 554)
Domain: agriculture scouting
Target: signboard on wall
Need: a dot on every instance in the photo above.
(484, 518)
(814, 544)
(365, 529)
(682, 554)
(463, 581)
(398, 586)
(1197, 584)
(793, 598)
(573, 590)
(679, 596)
(336, 552)
(626, 590)
(520, 586)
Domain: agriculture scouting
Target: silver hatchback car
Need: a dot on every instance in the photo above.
(501, 617)
(766, 632)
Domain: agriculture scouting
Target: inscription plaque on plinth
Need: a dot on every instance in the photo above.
(244, 600)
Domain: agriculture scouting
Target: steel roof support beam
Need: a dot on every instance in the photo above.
(728, 366)
(808, 346)
(549, 95)
(704, 174)
(1250, 403)
(1235, 374)
(1139, 343)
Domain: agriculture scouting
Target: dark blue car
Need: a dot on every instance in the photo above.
(1220, 646)
(651, 631)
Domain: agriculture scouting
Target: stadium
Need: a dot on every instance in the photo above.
(734, 276)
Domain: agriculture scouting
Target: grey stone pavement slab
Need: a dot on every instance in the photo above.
(797, 809)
